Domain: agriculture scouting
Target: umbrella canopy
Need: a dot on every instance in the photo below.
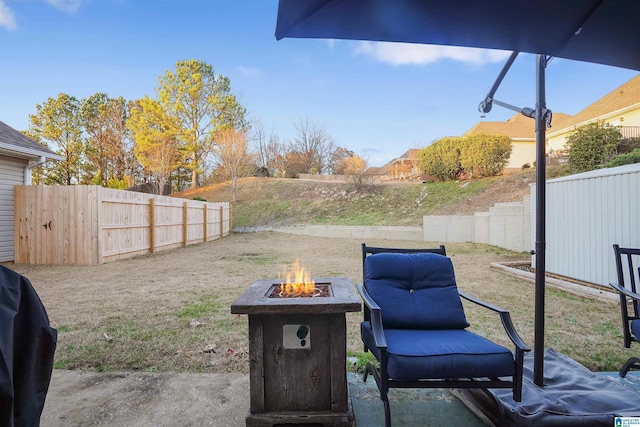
(599, 31)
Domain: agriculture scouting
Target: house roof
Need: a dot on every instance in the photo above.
(517, 127)
(19, 145)
(409, 154)
(375, 170)
(622, 97)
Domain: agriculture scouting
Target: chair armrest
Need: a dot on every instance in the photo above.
(505, 318)
(625, 291)
(376, 317)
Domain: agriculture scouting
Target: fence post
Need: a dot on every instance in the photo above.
(221, 220)
(230, 218)
(204, 226)
(152, 225)
(184, 223)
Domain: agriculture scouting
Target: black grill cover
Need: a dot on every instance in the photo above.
(27, 345)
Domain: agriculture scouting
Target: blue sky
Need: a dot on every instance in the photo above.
(378, 100)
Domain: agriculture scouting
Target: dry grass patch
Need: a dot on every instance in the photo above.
(146, 305)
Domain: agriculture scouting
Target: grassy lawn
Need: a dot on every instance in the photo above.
(161, 312)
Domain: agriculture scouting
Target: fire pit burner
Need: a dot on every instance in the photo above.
(297, 353)
(321, 290)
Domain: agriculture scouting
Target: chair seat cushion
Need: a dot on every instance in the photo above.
(436, 354)
(635, 328)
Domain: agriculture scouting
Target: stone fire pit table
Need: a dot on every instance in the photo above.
(297, 354)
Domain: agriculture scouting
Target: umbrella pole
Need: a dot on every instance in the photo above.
(540, 245)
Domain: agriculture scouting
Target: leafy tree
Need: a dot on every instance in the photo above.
(156, 139)
(57, 124)
(234, 159)
(313, 146)
(484, 155)
(442, 159)
(108, 150)
(354, 169)
(38, 173)
(202, 103)
(294, 164)
(591, 145)
(339, 158)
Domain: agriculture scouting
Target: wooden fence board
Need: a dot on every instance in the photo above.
(92, 225)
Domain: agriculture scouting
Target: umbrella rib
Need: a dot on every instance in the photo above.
(576, 31)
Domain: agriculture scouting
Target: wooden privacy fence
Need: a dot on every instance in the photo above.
(93, 225)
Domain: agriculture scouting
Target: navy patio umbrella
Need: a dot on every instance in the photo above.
(599, 31)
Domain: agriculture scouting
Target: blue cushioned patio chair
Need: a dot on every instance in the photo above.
(628, 299)
(415, 326)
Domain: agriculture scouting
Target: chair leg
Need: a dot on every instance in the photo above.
(370, 368)
(366, 372)
(633, 362)
(387, 412)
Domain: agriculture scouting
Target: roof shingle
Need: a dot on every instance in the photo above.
(23, 143)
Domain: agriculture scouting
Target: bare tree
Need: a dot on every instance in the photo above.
(270, 152)
(234, 159)
(314, 145)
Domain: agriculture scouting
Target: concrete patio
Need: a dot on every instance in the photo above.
(81, 398)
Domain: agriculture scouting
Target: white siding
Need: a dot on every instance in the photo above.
(11, 174)
(586, 214)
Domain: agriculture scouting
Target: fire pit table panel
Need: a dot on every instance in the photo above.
(297, 354)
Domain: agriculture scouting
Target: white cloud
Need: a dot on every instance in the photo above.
(7, 20)
(249, 72)
(68, 6)
(419, 54)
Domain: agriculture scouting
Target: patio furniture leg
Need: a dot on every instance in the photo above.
(387, 412)
(633, 362)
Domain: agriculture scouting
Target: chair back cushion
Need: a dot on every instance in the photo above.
(415, 290)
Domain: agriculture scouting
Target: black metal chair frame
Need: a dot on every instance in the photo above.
(627, 295)
(373, 314)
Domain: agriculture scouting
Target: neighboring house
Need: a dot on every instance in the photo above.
(18, 155)
(621, 107)
(405, 167)
(522, 132)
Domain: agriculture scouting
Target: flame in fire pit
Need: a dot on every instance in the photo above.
(296, 281)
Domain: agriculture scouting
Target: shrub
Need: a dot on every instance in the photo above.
(118, 184)
(441, 159)
(485, 155)
(591, 145)
(200, 199)
(624, 159)
(627, 145)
